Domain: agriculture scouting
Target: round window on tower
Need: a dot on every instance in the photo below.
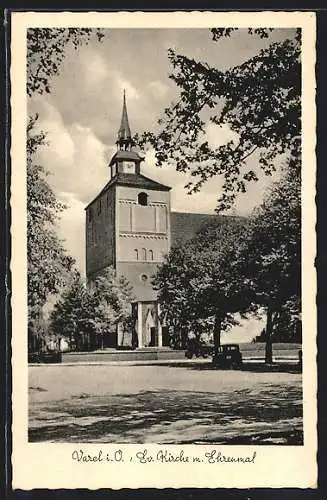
(144, 278)
(142, 199)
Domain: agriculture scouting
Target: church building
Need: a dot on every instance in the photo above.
(130, 226)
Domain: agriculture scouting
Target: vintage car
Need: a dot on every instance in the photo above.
(227, 356)
(198, 349)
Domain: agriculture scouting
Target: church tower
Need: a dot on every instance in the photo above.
(125, 160)
(128, 227)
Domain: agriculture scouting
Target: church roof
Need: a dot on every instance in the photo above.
(132, 180)
(185, 225)
(122, 154)
(137, 180)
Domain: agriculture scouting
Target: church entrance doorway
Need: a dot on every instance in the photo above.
(153, 336)
(165, 336)
(150, 329)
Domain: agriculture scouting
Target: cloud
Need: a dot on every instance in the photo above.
(78, 164)
(75, 157)
(82, 115)
(90, 170)
(60, 145)
(255, 192)
(158, 89)
(218, 135)
(94, 69)
(122, 84)
(71, 228)
(98, 75)
(90, 91)
(204, 201)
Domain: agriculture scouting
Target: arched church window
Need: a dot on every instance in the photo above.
(136, 253)
(150, 255)
(143, 254)
(142, 199)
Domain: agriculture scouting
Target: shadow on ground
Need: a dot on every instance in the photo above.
(259, 367)
(269, 415)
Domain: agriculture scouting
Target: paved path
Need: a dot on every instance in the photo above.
(164, 403)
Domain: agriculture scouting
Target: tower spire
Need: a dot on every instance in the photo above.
(124, 139)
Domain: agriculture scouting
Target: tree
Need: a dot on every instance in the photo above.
(201, 281)
(87, 314)
(69, 315)
(46, 49)
(48, 263)
(260, 100)
(240, 267)
(173, 279)
(112, 297)
(287, 325)
(271, 254)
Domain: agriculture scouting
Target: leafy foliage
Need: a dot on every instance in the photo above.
(239, 267)
(200, 283)
(70, 313)
(112, 297)
(46, 49)
(95, 311)
(271, 255)
(287, 325)
(259, 100)
(218, 33)
(48, 263)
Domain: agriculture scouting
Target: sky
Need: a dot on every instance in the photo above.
(82, 116)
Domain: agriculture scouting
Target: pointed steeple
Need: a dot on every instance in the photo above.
(125, 160)
(124, 139)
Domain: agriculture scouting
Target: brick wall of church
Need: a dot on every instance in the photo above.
(143, 237)
(100, 233)
(139, 275)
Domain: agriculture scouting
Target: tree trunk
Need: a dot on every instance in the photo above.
(217, 330)
(268, 350)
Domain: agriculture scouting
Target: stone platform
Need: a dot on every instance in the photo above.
(107, 355)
